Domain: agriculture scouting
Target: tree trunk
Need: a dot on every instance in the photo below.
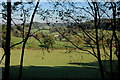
(119, 61)
(97, 41)
(7, 45)
(24, 43)
(111, 68)
(115, 36)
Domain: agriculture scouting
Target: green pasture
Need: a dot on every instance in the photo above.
(64, 61)
(56, 64)
(54, 58)
(44, 31)
(33, 43)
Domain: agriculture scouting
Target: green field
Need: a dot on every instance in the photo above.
(33, 43)
(64, 61)
(56, 64)
(54, 58)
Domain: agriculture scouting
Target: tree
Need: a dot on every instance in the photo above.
(114, 34)
(26, 38)
(7, 43)
(48, 42)
(94, 32)
(7, 46)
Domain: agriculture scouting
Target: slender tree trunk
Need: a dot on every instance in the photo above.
(97, 41)
(111, 68)
(115, 35)
(24, 43)
(7, 45)
(119, 61)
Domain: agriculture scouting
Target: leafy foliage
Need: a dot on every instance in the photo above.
(48, 41)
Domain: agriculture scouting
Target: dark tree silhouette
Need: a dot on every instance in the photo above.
(26, 38)
(7, 44)
(8, 32)
(95, 30)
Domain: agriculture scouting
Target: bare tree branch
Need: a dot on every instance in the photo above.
(23, 47)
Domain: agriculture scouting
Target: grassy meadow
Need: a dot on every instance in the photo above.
(56, 64)
(63, 61)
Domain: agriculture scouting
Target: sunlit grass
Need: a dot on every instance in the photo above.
(56, 64)
(55, 57)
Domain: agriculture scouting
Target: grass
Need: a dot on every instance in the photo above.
(33, 43)
(55, 57)
(56, 64)
(42, 29)
(38, 72)
(59, 63)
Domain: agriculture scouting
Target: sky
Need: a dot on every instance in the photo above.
(44, 0)
(60, 0)
(45, 5)
(49, 6)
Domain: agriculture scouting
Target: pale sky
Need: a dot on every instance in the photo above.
(60, 0)
(42, 0)
(45, 6)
